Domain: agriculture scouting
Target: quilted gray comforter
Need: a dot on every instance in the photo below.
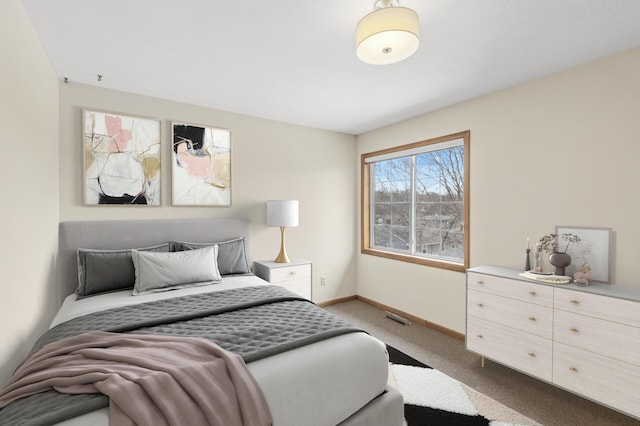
(254, 322)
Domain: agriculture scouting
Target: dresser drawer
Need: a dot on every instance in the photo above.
(289, 273)
(608, 381)
(528, 292)
(607, 338)
(529, 317)
(525, 352)
(610, 308)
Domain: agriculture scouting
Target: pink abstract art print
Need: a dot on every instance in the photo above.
(201, 165)
(121, 159)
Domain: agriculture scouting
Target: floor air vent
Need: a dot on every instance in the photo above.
(397, 318)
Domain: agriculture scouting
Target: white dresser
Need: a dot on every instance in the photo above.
(294, 276)
(583, 339)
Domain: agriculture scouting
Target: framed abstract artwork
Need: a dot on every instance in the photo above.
(121, 159)
(591, 253)
(201, 165)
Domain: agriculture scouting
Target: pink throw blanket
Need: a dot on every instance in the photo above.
(150, 379)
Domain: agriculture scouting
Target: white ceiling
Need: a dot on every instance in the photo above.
(294, 60)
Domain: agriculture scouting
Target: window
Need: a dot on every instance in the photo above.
(415, 202)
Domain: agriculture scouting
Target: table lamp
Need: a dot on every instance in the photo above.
(282, 213)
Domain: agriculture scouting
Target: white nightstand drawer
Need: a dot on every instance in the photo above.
(604, 379)
(607, 338)
(295, 276)
(515, 289)
(610, 308)
(290, 273)
(300, 287)
(523, 351)
(529, 317)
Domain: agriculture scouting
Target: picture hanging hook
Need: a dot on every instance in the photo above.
(99, 77)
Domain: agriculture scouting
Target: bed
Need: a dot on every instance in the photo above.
(327, 378)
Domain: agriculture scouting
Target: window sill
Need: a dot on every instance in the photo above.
(442, 264)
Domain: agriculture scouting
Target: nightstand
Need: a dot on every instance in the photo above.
(294, 276)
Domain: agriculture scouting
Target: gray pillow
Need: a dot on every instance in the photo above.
(102, 271)
(169, 271)
(232, 257)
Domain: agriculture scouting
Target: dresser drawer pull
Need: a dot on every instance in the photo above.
(480, 336)
(480, 305)
(532, 319)
(575, 302)
(533, 293)
(532, 355)
(575, 330)
(292, 273)
(575, 370)
(480, 282)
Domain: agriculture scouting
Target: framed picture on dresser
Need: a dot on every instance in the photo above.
(591, 254)
(201, 165)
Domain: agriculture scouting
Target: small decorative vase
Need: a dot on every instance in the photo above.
(537, 267)
(560, 261)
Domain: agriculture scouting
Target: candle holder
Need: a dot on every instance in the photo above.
(527, 262)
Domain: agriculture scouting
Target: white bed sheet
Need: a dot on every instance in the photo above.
(316, 385)
(71, 307)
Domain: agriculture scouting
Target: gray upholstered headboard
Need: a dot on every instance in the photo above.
(119, 234)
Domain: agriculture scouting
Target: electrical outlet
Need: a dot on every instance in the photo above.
(323, 280)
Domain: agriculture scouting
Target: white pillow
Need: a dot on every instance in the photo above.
(169, 271)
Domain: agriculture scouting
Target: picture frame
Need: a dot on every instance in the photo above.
(121, 159)
(200, 165)
(592, 252)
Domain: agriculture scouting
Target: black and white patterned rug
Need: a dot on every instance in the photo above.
(433, 398)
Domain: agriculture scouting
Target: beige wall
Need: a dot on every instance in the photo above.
(270, 160)
(28, 184)
(560, 150)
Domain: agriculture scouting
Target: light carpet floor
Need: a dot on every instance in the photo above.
(533, 398)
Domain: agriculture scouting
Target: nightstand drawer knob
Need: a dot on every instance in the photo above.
(532, 355)
(532, 319)
(575, 302)
(533, 293)
(481, 305)
(575, 330)
(292, 273)
(480, 282)
(480, 336)
(575, 370)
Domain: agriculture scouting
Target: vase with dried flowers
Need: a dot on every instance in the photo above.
(559, 259)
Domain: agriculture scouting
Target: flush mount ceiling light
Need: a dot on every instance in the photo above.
(387, 35)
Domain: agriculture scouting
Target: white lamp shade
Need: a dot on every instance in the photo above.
(282, 213)
(387, 35)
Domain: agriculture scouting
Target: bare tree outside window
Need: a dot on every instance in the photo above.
(440, 203)
(392, 204)
(417, 203)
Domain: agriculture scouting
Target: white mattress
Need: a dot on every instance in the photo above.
(319, 384)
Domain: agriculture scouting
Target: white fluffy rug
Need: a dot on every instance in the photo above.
(433, 398)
